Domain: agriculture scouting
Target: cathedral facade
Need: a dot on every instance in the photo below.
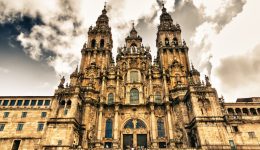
(133, 103)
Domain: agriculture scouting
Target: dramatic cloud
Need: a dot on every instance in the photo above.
(239, 74)
(206, 27)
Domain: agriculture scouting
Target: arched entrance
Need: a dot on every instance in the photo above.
(134, 134)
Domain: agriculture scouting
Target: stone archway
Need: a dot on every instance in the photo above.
(134, 134)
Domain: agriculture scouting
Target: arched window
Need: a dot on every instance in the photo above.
(129, 124)
(133, 45)
(109, 125)
(238, 111)
(69, 103)
(110, 98)
(140, 124)
(62, 102)
(160, 128)
(133, 76)
(231, 111)
(133, 48)
(157, 97)
(134, 96)
(93, 43)
(245, 111)
(167, 43)
(102, 43)
(253, 111)
(175, 41)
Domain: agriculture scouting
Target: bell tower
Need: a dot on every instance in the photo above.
(98, 48)
(169, 43)
(172, 53)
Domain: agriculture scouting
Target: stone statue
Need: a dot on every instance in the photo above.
(62, 81)
(178, 133)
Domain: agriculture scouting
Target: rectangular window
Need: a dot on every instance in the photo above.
(5, 103)
(40, 126)
(251, 134)
(47, 103)
(12, 103)
(16, 144)
(24, 114)
(59, 142)
(0, 102)
(40, 103)
(33, 102)
(6, 114)
(26, 102)
(235, 128)
(19, 103)
(19, 127)
(2, 127)
(44, 114)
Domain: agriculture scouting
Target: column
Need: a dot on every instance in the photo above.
(153, 126)
(169, 120)
(165, 86)
(150, 85)
(99, 125)
(117, 87)
(115, 145)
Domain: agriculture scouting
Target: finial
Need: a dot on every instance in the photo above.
(163, 3)
(163, 9)
(133, 24)
(104, 11)
(105, 4)
(192, 66)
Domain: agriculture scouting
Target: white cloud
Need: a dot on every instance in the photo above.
(4, 70)
(221, 31)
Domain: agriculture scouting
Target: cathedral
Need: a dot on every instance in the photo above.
(131, 102)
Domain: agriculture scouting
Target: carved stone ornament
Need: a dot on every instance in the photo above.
(92, 133)
(159, 112)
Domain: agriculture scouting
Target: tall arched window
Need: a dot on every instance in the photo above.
(175, 41)
(167, 43)
(69, 103)
(62, 102)
(160, 128)
(110, 98)
(134, 96)
(109, 125)
(102, 43)
(93, 43)
(157, 97)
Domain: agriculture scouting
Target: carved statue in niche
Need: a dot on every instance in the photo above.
(124, 66)
(92, 133)
(133, 62)
(92, 117)
(178, 133)
(204, 105)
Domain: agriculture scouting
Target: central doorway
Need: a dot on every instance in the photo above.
(141, 140)
(134, 134)
(127, 141)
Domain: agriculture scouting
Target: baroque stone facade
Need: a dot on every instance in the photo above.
(131, 103)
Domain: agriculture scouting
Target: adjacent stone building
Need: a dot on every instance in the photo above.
(131, 103)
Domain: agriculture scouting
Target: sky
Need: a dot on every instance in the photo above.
(40, 41)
